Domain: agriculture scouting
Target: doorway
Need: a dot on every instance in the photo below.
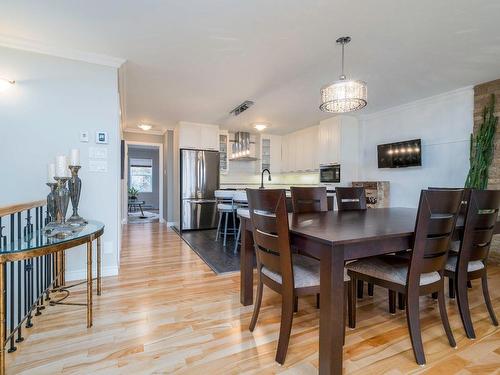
(144, 182)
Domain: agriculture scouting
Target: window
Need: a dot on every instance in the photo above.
(141, 175)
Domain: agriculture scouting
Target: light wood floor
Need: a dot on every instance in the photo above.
(167, 312)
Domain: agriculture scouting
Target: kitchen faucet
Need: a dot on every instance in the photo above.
(262, 177)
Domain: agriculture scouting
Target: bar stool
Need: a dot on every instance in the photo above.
(240, 199)
(225, 207)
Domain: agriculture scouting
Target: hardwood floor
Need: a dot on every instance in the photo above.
(167, 312)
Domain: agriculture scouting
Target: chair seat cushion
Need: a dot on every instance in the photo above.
(389, 268)
(243, 212)
(305, 272)
(451, 264)
(226, 207)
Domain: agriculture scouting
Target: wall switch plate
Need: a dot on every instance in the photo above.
(84, 136)
(101, 137)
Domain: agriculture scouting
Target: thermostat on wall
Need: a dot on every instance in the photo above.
(101, 137)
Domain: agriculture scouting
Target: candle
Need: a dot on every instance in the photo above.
(51, 172)
(75, 157)
(61, 166)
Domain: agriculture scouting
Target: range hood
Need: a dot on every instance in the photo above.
(240, 150)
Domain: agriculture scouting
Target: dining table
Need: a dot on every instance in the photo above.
(334, 238)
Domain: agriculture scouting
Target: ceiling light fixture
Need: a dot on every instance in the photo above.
(6, 84)
(343, 95)
(260, 126)
(144, 127)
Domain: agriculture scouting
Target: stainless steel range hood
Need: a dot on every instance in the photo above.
(240, 150)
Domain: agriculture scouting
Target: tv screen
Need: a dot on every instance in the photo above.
(400, 154)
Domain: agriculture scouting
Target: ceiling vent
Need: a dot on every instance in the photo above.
(242, 108)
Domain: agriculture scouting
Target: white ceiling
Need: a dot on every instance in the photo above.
(195, 60)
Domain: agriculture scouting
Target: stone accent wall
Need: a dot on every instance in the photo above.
(482, 94)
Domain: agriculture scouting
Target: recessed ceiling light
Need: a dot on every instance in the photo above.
(144, 127)
(6, 84)
(260, 126)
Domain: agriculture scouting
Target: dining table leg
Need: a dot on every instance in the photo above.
(246, 264)
(331, 315)
(89, 283)
(2, 318)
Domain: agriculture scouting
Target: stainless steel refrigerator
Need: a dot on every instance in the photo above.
(199, 180)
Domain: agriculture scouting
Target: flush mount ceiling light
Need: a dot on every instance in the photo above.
(6, 84)
(343, 95)
(144, 127)
(259, 126)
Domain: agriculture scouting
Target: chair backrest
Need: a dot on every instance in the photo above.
(465, 199)
(480, 221)
(309, 199)
(240, 198)
(270, 232)
(224, 196)
(436, 218)
(350, 198)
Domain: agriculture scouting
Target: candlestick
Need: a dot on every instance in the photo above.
(61, 166)
(51, 172)
(75, 157)
(75, 188)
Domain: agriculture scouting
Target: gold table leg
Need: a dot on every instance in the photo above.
(2, 319)
(89, 284)
(63, 267)
(99, 286)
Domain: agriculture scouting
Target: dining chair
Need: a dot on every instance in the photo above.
(352, 199)
(308, 200)
(423, 272)
(286, 273)
(471, 261)
(225, 207)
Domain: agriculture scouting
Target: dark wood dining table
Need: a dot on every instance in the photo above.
(334, 238)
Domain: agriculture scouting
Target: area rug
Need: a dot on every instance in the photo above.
(219, 258)
(148, 217)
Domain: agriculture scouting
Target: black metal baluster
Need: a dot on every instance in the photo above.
(19, 272)
(29, 271)
(12, 347)
(37, 278)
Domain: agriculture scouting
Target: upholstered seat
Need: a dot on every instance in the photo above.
(474, 265)
(243, 212)
(226, 207)
(455, 246)
(389, 268)
(305, 272)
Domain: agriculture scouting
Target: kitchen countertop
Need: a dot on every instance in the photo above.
(244, 186)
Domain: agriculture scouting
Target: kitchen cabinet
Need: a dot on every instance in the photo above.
(270, 153)
(198, 136)
(224, 151)
(329, 141)
(299, 150)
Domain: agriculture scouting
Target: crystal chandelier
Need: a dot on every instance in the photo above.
(343, 95)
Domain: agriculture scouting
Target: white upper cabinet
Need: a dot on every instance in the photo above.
(300, 151)
(270, 153)
(198, 136)
(329, 140)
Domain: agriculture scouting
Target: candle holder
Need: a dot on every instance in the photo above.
(75, 188)
(62, 202)
(50, 221)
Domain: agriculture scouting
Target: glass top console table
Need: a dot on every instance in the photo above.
(33, 245)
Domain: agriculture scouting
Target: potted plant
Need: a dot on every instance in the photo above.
(132, 193)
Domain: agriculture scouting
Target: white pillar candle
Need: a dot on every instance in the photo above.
(75, 157)
(61, 166)
(51, 172)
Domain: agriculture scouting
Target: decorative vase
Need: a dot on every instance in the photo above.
(50, 221)
(62, 201)
(75, 188)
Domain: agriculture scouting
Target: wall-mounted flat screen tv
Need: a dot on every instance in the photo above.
(400, 154)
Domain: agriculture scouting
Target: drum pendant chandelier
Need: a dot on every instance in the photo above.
(343, 95)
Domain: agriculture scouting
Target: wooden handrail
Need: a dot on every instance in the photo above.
(12, 209)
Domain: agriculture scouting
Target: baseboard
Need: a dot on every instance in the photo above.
(82, 274)
(170, 223)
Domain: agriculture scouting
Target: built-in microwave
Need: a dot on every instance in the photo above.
(329, 173)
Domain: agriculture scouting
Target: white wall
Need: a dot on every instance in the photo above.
(443, 122)
(53, 100)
